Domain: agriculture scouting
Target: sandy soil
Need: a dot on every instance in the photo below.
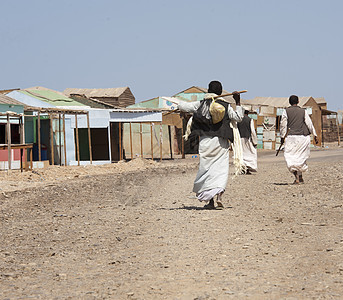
(135, 231)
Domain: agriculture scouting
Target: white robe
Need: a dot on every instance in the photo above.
(213, 172)
(297, 147)
(249, 150)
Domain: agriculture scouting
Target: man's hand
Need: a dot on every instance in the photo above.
(316, 139)
(237, 97)
(282, 140)
(183, 114)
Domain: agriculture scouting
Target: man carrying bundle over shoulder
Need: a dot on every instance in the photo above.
(295, 129)
(211, 121)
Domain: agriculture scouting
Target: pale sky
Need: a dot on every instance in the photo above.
(159, 48)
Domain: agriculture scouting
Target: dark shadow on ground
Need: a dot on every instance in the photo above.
(192, 208)
(183, 207)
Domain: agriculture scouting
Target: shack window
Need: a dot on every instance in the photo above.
(15, 134)
(99, 140)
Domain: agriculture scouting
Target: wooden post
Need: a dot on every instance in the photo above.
(21, 142)
(182, 140)
(51, 141)
(339, 137)
(161, 141)
(141, 134)
(25, 160)
(31, 158)
(64, 139)
(170, 142)
(60, 138)
(39, 139)
(22, 130)
(321, 117)
(77, 141)
(152, 142)
(89, 139)
(131, 142)
(120, 145)
(21, 159)
(9, 142)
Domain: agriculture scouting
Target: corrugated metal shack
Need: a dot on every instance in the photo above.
(332, 130)
(8, 104)
(80, 130)
(169, 131)
(48, 119)
(116, 97)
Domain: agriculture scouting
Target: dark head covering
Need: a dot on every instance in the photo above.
(215, 87)
(293, 100)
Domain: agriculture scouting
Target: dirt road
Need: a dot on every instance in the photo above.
(135, 231)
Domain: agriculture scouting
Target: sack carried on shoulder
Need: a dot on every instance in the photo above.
(209, 112)
(217, 111)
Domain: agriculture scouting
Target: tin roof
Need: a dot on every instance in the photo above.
(320, 100)
(274, 101)
(8, 100)
(89, 93)
(50, 96)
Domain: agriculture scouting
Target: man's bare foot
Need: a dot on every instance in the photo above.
(297, 179)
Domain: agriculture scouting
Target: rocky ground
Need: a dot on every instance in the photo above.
(134, 230)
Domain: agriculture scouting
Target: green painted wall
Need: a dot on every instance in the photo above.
(11, 107)
(153, 103)
(191, 96)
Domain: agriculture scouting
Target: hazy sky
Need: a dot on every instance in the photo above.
(158, 48)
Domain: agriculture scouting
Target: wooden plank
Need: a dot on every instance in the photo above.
(131, 142)
(10, 113)
(77, 141)
(21, 160)
(170, 142)
(25, 160)
(52, 157)
(9, 142)
(152, 142)
(60, 138)
(64, 140)
(161, 141)
(322, 129)
(39, 138)
(141, 137)
(22, 141)
(22, 130)
(120, 143)
(89, 140)
(337, 124)
(182, 140)
(31, 158)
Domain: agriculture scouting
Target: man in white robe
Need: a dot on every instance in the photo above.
(295, 129)
(212, 176)
(249, 143)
